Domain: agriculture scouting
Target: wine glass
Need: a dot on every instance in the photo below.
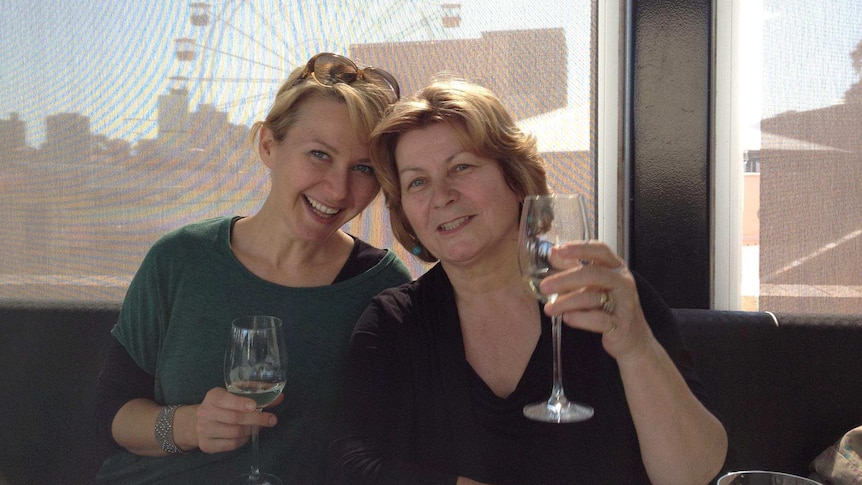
(255, 366)
(548, 220)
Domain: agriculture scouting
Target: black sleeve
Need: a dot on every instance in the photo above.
(666, 331)
(120, 381)
(372, 444)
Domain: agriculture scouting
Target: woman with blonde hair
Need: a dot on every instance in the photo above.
(161, 400)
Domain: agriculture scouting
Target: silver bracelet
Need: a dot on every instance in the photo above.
(164, 430)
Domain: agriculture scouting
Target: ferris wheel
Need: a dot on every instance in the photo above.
(238, 52)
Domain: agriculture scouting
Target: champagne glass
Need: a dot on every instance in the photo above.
(546, 221)
(255, 366)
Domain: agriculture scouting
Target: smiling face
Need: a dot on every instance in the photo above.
(321, 174)
(458, 204)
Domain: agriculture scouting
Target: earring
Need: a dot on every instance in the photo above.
(417, 250)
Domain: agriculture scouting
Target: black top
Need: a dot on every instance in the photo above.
(416, 412)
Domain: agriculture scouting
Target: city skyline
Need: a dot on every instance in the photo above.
(110, 61)
(87, 58)
(85, 222)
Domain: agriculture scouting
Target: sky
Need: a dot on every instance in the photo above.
(111, 59)
(809, 44)
(795, 56)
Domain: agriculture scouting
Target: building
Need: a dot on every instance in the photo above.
(505, 62)
(810, 222)
(13, 138)
(68, 139)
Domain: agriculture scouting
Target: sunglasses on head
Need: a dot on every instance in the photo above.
(328, 69)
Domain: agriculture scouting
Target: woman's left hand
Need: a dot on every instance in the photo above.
(599, 296)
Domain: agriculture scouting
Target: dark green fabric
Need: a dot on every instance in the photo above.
(179, 334)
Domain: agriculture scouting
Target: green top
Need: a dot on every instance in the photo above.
(175, 323)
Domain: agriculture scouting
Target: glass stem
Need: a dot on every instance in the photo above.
(254, 475)
(557, 394)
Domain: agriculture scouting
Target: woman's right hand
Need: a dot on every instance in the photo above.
(223, 421)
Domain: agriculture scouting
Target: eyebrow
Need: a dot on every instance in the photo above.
(406, 170)
(416, 169)
(335, 151)
(326, 145)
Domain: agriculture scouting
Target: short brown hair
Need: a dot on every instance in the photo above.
(484, 128)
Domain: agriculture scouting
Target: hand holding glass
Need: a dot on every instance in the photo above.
(255, 366)
(546, 221)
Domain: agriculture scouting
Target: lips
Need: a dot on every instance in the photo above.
(320, 209)
(454, 224)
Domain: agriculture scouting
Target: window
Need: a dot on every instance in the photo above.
(789, 155)
(120, 121)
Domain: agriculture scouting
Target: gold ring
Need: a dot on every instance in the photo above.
(613, 327)
(608, 304)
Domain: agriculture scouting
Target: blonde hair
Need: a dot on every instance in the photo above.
(366, 103)
(484, 128)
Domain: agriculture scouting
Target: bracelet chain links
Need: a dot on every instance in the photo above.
(164, 430)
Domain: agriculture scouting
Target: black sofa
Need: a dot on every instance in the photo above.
(784, 391)
(786, 386)
(50, 356)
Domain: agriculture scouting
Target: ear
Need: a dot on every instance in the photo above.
(265, 146)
